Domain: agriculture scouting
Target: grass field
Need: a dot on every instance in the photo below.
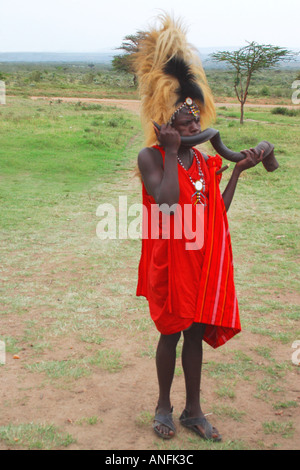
(80, 346)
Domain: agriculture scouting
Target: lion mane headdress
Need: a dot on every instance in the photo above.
(169, 71)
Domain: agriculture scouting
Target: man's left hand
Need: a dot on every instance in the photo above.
(252, 158)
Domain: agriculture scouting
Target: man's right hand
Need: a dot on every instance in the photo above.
(169, 138)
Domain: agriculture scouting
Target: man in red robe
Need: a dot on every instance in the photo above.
(188, 282)
(189, 291)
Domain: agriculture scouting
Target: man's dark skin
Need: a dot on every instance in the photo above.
(161, 182)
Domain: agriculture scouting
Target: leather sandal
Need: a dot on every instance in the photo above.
(165, 420)
(209, 432)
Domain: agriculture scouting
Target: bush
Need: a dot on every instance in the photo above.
(285, 111)
(265, 91)
(35, 76)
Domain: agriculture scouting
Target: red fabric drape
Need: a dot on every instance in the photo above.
(184, 285)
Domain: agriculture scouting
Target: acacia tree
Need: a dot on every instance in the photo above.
(123, 62)
(248, 60)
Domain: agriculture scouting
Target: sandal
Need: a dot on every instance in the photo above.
(165, 420)
(210, 433)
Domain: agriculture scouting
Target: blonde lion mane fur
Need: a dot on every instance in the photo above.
(157, 89)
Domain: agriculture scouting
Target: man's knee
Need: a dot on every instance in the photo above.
(170, 340)
(195, 333)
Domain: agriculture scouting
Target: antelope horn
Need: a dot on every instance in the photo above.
(269, 161)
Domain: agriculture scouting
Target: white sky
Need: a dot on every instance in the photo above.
(97, 25)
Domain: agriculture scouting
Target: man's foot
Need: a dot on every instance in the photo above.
(200, 426)
(163, 425)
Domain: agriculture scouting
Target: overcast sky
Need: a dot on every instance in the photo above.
(97, 25)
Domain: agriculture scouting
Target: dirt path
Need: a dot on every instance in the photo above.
(134, 105)
(129, 105)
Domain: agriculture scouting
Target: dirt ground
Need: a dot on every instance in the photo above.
(124, 401)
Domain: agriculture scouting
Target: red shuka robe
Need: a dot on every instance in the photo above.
(184, 284)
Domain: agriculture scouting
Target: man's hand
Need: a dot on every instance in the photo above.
(168, 137)
(251, 159)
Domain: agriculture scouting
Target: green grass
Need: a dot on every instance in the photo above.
(229, 411)
(68, 148)
(286, 430)
(33, 436)
(264, 85)
(75, 369)
(91, 421)
(285, 405)
(67, 80)
(60, 369)
(271, 202)
(43, 168)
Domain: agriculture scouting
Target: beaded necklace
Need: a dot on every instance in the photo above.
(199, 184)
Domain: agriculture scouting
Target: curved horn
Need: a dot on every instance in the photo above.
(269, 161)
